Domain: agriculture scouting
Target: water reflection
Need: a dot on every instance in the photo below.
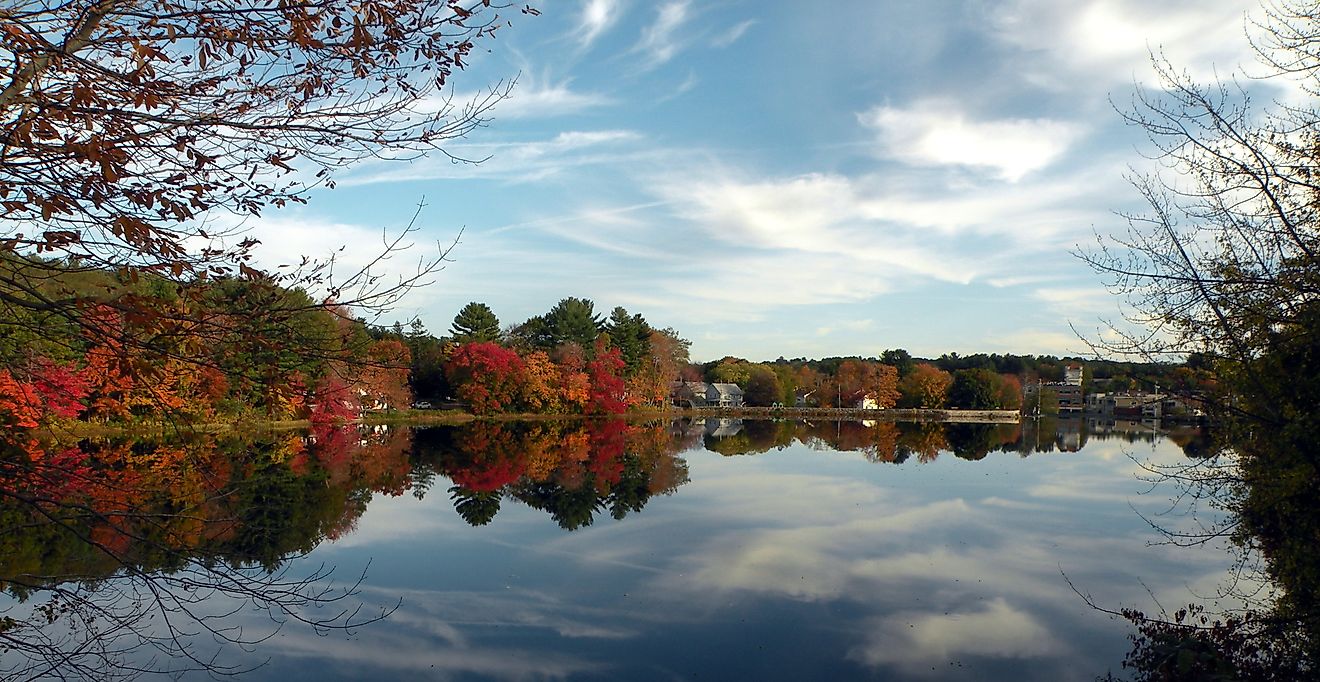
(124, 556)
(771, 555)
(896, 442)
(1266, 623)
(572, 471)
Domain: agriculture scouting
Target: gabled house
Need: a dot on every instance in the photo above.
(688, 393)
(724, 395)
(701, 394)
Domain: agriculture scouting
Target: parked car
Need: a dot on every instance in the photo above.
(423, 405)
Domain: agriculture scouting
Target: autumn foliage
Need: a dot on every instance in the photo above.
(607, 388)
(487, 376)
(491, 378)
(104, 379)
(926, 386)
(571, 470)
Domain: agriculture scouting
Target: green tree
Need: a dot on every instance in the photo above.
(763, 388)
(899, 359)
(788, 378)
(475, 323)
(730, 370)
(974, 389)
(632, 336)
(426, 376)
(572, 320)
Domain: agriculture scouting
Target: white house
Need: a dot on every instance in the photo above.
(724, 395)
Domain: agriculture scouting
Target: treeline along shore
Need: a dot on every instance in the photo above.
(249, 352)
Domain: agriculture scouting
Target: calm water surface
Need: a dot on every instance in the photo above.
(732, 550)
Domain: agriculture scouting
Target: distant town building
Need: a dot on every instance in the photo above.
(1068, 391)
(1140, 404)
(1070, 396)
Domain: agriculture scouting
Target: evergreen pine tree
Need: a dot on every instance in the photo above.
(631, 335)
(474, 323)
(572, 320)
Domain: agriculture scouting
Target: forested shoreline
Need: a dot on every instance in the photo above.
(144, 350)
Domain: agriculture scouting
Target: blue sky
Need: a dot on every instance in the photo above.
(787, 178)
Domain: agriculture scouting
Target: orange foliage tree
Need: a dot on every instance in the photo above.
(926, 386)
(19, 403)
(856, 380)
(1009, 392)
(542, 390)
(383, 379)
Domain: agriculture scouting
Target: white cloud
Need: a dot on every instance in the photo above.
(1033, 341)
(541, 100)
(529, 97)
(934, 133)
(1078, 301)
(1110, 41)
(915, 640)
(362, 260)
(597, 17)
(811, 215)
(821, 238)
(659, 42)
(732, 35)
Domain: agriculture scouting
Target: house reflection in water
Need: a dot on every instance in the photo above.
(707, 427)
(723, 428)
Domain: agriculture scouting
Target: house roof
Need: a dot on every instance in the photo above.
(727, 389)
(696, 387)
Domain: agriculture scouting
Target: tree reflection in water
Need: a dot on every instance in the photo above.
(1265, 624)
(573, 471)
(1259, 478)
(124, 557)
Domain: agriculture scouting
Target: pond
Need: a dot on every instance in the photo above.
(722, 549)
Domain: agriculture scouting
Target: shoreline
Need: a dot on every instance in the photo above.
(894, 414)
(451, 417)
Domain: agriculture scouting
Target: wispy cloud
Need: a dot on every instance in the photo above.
(1078, 301)
(597, 17)
(814, 214)
(935, 133)
(519, 161)
(1033, 341)
(1110, 41)
(732, 35)
(546, 100)
(659, 43)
